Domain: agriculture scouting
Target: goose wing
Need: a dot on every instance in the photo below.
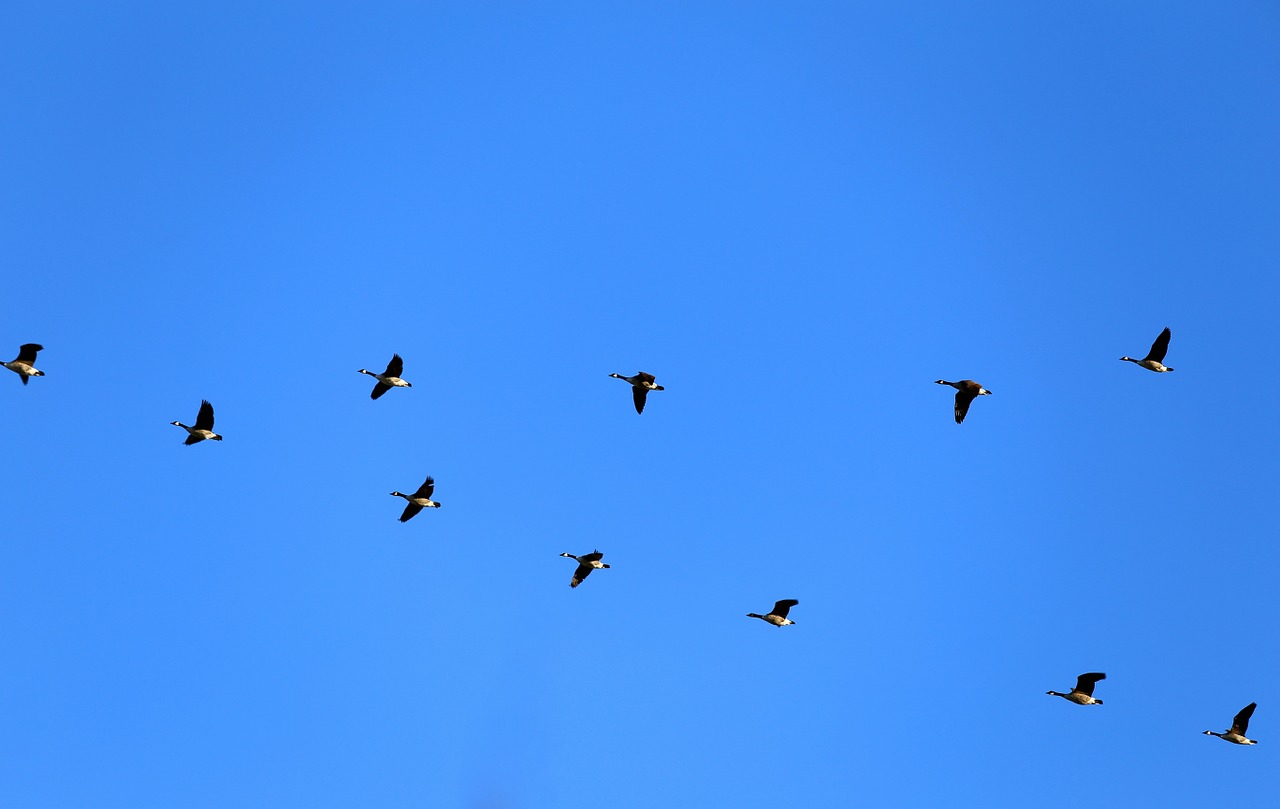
(1085, 682)
(409, 511)
(204, 420)
(1160, 347)
(588, 558)
(1240, 724)
(643, 377)
(638, 395)
(395, 367)
(964, 398)
(192, 438)
(378, 390)
(581, 573)
(428, 486)
(27, 353)
(783, 607)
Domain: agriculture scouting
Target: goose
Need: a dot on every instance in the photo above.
(418, 500)
(778, 615)
(587, 562)
(24, 364)
(1082, 694)
(389, 378)
(203, 428)
(966, 391)
(641, 384)
(1239, 726)
(1154, 361)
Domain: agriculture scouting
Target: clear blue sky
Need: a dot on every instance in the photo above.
(797, 216)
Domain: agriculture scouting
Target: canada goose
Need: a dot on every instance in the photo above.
(966, 391)
(389, 378)
(24, 364)
(1239, 726)
(587, 562)
(1082, 694)
(418, 500)
(778, 615)
(203, 428)
(641, 384)
(1155, 357)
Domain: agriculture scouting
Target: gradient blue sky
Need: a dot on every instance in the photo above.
(797, 215)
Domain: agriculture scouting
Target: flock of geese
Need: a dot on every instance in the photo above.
(641, 385)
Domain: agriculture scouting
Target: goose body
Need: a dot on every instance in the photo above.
(587, 562)
(24, 365)
(203, 428)
(1239, 726)
(778, 615)
(389, 378)
(966, 391)
(641, 384)
(1154, 361)
(1082, 694)
(418, 500)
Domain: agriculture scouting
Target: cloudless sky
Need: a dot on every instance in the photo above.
(797, 215)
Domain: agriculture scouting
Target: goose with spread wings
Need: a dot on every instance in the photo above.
(778, 615)
(203, 428)
(641, 384)
(966, 391)
(24, 365)
(1239, 726)
(389, 378)
(418, 500)
(1082, 694)
(587, 562)
(1154, 361)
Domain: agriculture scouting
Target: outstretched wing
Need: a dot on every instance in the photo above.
(27, 353)
(643, 377)
(1084, 683)
(638, 395)
(409, 511)
(193, 439)
(964, 398)
(204, 421)
(784, 606)
(1240, 724)
(1160, 347)
(378, 390)
(395, 367)
(594, 556)
(581, 573)
(426, 488)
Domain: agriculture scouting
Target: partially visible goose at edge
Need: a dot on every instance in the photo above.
(641, 384)
(1082, 694)
(24, 365)
(418, 500)
(778, 615)
(203, 428)
(587, 562)
(389, 378)
(1154, 361)
(1239, 726)
(966, 391)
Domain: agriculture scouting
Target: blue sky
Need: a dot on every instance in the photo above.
(797, 216)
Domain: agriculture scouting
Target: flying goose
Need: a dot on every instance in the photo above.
(203, 428)
(641, 384)
(587, 562)
(1154, 361)
(418, 500)
(966, 391)
(389, 378)
(24, 364)
(1239, 726)
(1082, 694)
(778, 615)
